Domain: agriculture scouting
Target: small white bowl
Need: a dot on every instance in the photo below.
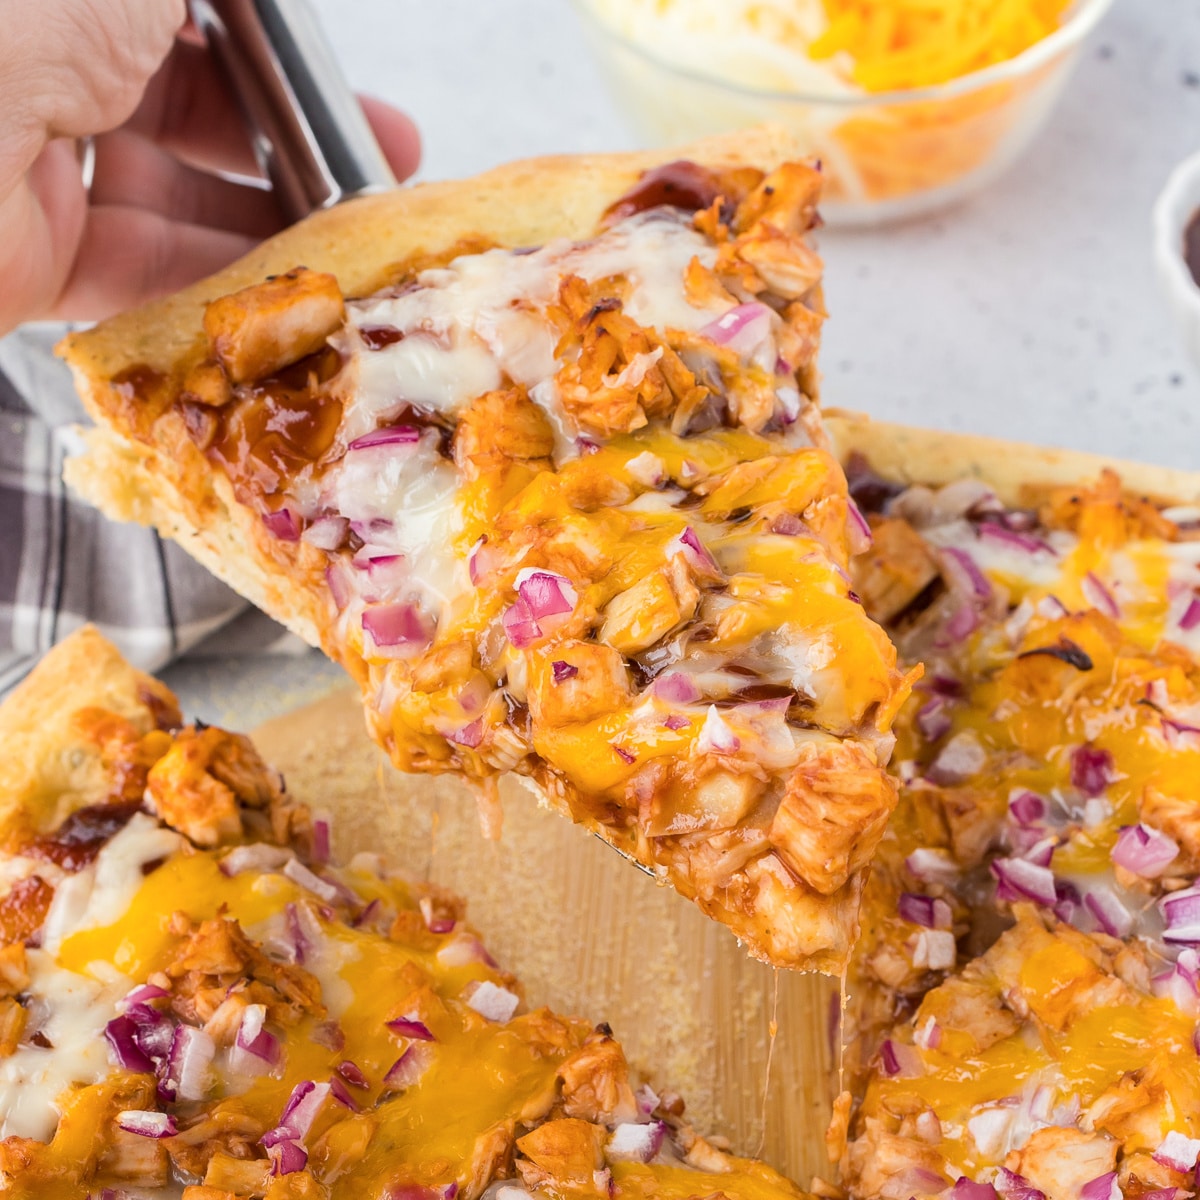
(1177, 204)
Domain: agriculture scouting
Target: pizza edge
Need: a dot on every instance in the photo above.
(51, 767)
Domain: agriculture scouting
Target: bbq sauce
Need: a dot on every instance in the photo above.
(1191, 246)
(679, 184)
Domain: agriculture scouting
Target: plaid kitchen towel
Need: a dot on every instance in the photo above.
(63, 564)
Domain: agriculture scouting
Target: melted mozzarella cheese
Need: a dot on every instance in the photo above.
(72, 1011)
(101, 894)
(468, 326)
(403, 500)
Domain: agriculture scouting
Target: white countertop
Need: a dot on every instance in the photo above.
(1030, 312)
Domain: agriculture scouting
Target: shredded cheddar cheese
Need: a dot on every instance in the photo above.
(896, 44)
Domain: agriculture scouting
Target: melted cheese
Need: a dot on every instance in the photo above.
(481, 319)
(71, 1012)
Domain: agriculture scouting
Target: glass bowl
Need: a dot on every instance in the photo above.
(886, 155)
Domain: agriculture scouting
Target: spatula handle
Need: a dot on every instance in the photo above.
(310, 136)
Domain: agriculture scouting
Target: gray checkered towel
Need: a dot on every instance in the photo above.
(63, 564)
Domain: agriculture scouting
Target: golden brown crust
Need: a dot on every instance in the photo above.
(1018, 472)
(54, 759)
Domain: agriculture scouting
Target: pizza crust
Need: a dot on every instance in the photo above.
(51, 767)
(1018, 472)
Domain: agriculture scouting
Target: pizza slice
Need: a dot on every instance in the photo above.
(1048, 766)
(536, 457)
(196, 1001)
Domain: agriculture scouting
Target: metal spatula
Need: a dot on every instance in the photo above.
(310, 136)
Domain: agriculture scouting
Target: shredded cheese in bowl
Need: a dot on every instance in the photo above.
(898, 44)
(909, 104)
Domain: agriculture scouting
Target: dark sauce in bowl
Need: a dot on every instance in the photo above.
(1191, 246)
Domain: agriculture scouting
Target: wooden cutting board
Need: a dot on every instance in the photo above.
(589, 934)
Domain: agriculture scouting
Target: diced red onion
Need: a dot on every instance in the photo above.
(961, 623)
(493, 1002)
(545, 593)
(297, 934)
(647, 1099)
(742, 329)
(674, 687)
(433, 922)
(1002, 535)
(1178, 1151)
(928, 1036)
(933, 950)
(283, 524)
(352, 1073)
(1181, 984)
(121, 1035)
(563, 670)
(1176, 734)
(675, 722)
(299, 874)
(1191, 615)
(143, 994)
(147, 1123)
(400, 624)
(921, 1181)
(1091, 769)
(1069, 901)
(301, 1110)
(716, 736)
(326, 533)
(339, 587)
(932, 865)
(1021, 880)
(154, 1032)
(1041, 853)
(287, 1157)
(933, 720)
(1111, 915)
(1027, 808)
(639, 1143)
(387, 435)
(960, 758)
(1016, 1187)
(858, 528)
(1144, 851)
(187, 1067)
(1103, 1187)
(257, 1042)
(410, 1066)
(258, 856)
(966, 1189)
(1181, 910)
(410, 1027)
(341, 1093)
(695, 554)
(463, 950)
(321, 848)
(924, 910)
(964, 576)
(626, 756)
(899, 1060)
(519, 626)
(1098, 596)
(946, 685)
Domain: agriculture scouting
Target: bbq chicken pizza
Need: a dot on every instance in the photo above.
(196, 1002)
(537, 458)
(1023, 1002)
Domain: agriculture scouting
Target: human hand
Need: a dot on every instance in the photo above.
(156, 217)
